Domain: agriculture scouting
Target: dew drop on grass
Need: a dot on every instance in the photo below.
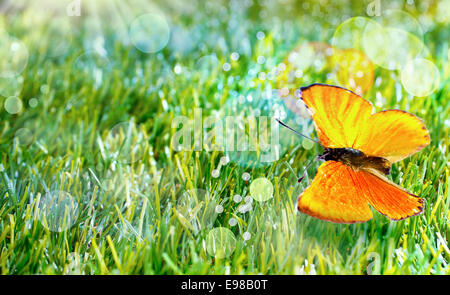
(246, 236)
(219, 209)
(226, 67)
(33, 102)
(261, 59)
(237, 198)
(44, 89)
(245, 208)
(224, 160)
(307, 144)
(246, 176)
(13, 105)
(58, 211)
(235, 56)
(126, 142)
(177, 69)
(24, 136)
(261, 189)
(260, 35)
(215, 173)
(220, 242)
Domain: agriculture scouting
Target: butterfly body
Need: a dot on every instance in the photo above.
(359, 149)
(356, 159)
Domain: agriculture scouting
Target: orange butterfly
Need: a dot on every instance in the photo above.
(359, 149)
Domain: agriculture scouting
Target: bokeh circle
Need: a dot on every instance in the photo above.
(220, 242)
(14, 56)
(420, 77)
(126, 143)
(58, 211)
(150, 32)
(261, 189)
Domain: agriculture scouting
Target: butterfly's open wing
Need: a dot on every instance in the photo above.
(342, 195)
(337, 113)
(344, 119)
(393, 135)
(334, 196)
(386, 197)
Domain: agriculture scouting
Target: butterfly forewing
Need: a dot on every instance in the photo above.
(343, 119)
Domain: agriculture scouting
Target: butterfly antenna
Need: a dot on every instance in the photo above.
(304, 172)
(307, 137)
(320, 157)
(295, 131)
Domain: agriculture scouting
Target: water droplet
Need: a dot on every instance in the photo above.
(246, 236)
(224, 160)
(246, 176)
(226, 67)
(219, 209)
(33, 102)
(260, 35)
(24, 136)
(261, 189)
(198, 207)
(220, 242)
(13, 105)
(237, 198)
(177, 69)
(126, 143)
(58, 211)
(215, 173)
(260, 59)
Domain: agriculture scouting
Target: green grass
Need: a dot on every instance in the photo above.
(128, 217)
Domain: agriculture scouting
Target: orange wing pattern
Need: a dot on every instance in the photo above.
(344, 119)
(333, 196)
(336, 112)
(388, 198)
(340, 194)
(393, 135)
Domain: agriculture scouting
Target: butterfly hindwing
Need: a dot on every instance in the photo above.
(333, 196)
(340, 194)
(386, 197)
